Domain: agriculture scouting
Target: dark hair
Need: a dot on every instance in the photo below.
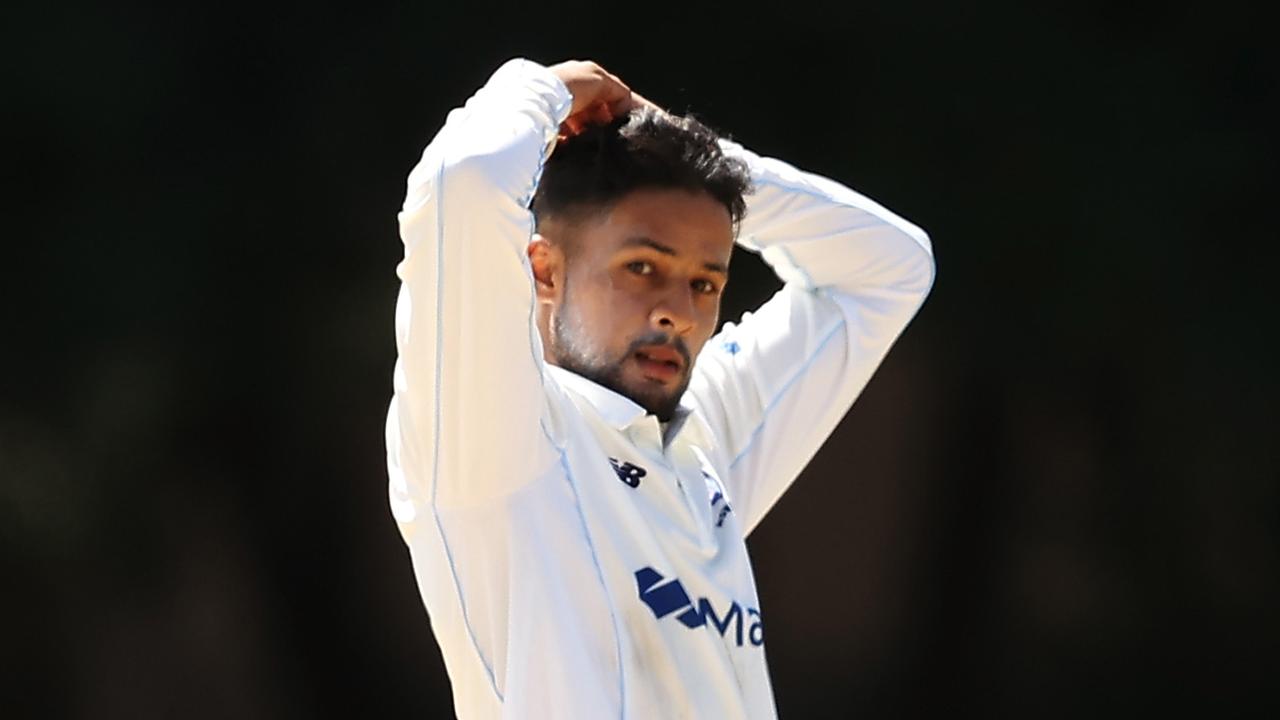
(644, 148)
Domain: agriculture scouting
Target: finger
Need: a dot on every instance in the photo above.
(600, 114)
(614, 90)
(639, 99)
(621, 105)
(632, 101)
(571, 126)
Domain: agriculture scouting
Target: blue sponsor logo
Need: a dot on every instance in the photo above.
(666, 598)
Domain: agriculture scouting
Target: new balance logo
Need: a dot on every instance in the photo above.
(669, 597)
(628, 473)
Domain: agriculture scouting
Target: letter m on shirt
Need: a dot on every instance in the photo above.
(708, 613)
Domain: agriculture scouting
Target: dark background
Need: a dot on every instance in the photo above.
(1057, 497)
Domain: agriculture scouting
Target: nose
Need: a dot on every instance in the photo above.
(674, 312)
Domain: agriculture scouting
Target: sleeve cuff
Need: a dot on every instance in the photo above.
(521, 75)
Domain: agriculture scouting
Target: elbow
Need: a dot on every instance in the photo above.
(930, 264)
(921, 267)
(932, 277)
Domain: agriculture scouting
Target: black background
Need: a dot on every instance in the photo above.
(1058, 496)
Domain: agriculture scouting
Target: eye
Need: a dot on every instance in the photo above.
(705, 287)
(640, 267)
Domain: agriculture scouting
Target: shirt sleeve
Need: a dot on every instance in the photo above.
(469, 378)
(774, 386)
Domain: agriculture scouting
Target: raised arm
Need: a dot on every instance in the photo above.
(469, 374)
(775, 385)
(469, 379)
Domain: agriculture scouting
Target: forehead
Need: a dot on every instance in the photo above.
(694, 224)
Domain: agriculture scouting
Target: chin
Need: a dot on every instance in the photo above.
(655, 397)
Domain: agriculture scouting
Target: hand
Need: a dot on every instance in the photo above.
(598, 95)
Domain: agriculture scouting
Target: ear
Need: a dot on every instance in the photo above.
(547, 260)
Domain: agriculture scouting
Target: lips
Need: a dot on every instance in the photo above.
(660, 362)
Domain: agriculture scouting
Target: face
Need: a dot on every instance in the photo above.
(637, 296)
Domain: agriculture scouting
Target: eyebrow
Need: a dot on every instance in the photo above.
(642, 241)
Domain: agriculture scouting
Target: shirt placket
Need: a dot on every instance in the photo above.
(683, 479)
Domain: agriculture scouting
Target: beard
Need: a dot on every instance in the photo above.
(573, 350)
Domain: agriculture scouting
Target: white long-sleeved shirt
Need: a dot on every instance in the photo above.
(575, 560)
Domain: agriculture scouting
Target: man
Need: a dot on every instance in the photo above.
(574, 488)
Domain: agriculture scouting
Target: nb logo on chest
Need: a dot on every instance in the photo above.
(628, 473)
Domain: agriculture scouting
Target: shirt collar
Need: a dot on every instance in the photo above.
(621, 411)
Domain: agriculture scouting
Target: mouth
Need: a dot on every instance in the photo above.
(659, 363)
